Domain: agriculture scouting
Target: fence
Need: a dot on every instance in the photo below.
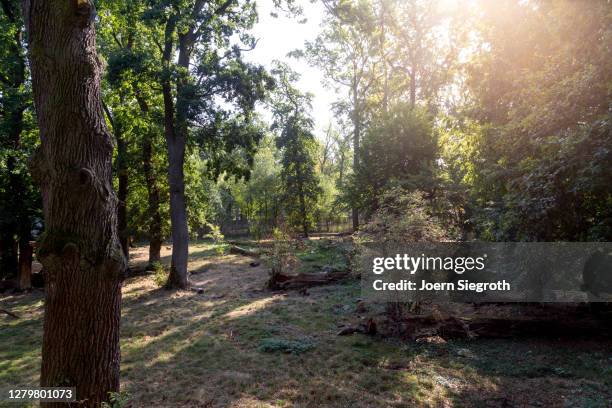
(244, 227)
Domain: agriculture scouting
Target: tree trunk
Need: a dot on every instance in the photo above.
(155, 221)
(412, 88)
(122, 174)
(8, 254)
(80, 250)
(17, 213)
(25, 263)
(356, 140)
(302, 199)
(178, 277)
(176, 139)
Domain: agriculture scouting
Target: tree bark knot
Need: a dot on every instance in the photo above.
(85, 178)
(85, 12)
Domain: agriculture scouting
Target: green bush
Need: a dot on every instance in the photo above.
(160, 274)
(117, 400)
(218, 238)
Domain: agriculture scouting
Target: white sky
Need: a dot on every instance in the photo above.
(277, 37)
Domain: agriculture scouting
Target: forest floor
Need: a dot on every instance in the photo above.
(240, 345)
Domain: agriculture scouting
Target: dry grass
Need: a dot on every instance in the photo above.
(182, 349)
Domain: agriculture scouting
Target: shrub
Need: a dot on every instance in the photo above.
(402, 217)
(218, 238)
(281, 258)
(117, 400)
(160, 274)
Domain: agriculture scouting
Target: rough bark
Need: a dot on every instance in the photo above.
(80, 250)
(175, 133)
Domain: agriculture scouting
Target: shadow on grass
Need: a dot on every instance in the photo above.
(21, 340)
(188, 349)
(525, 372)
(180, 348)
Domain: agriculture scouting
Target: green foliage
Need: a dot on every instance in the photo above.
(20, 204)
(402, 217)
(160, 273)
(399, 148)
(538, 167)
(296, 141)
(259, 198)
(117, 400)
(217, 237)
(282, 258)
(323, 254)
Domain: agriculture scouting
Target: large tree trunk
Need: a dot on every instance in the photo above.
(176, 136)
(80, 250)
(178, 277)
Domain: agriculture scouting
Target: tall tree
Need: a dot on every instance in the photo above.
(19, 199)
(541, 86)
(345, 51)
(426, 39)
(131, 54)
(199, 63)
(80, 249)
(298, 147)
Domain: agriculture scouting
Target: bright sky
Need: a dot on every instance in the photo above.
(277, 37)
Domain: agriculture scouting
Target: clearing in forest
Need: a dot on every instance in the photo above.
(241, 345)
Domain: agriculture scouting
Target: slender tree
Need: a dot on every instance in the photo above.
(198, 64)
(80, 249)
(125, 41)
(346, 52)
(297, 143)
(19, 200)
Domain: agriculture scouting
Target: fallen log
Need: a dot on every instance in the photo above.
(286, 281)
(234, 249)
(504, 327)
(259, 243)
(8, 312)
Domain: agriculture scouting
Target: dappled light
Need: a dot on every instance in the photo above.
(306, 203)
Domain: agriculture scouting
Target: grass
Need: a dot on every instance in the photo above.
(321, 254)
(240, 345)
